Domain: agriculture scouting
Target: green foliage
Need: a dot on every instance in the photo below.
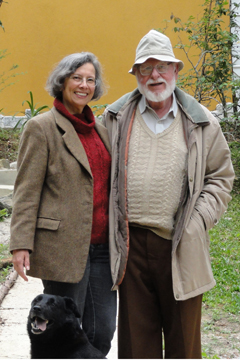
(32, 106)
(3, 214)
(1, 25)
(98, 109)
(9, 140)
(7, 76)
(205, 356)
(208, 50)
(235, 154)
(5, 266)
(231, 126)
(4, 251)
(33, 110)
(224, 252)
(4, 273)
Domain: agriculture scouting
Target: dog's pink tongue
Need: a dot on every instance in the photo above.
(41, 324)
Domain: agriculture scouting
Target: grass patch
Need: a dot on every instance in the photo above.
(206, 356)
(4, 268)
(4, 251)
(4, 273)
(224, 252)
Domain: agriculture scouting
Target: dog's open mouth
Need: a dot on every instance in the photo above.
(40, 325)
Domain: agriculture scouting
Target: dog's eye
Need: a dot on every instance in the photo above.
(36, 300)
(51, 302)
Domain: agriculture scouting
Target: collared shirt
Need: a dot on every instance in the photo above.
(152, 120)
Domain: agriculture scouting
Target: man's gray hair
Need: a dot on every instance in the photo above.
(67, 66)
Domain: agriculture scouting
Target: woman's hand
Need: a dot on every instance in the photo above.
(21, 260)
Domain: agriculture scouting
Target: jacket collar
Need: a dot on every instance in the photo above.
(72, 142)
(191, 107)
(193, 110)
(123, 101)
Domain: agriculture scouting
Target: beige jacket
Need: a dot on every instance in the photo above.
(53, 198)
(209, 180)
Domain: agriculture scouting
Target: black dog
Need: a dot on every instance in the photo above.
(55, 332)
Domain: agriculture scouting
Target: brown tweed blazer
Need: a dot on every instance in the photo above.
(53, 198)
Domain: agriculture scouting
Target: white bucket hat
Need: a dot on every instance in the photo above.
(157, 46)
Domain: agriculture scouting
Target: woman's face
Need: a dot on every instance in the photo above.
(79, 88)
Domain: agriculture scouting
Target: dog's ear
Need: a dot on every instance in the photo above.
(70, 304)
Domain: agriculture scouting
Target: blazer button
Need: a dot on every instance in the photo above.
(177, 296)
(191, 179)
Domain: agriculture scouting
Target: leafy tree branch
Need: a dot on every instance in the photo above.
(210, 52)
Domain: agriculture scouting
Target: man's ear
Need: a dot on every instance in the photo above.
(176, 70)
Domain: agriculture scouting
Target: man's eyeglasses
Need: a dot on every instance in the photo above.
(146, 69)
(79, 80)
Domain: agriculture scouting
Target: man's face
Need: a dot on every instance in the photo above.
(157, 87)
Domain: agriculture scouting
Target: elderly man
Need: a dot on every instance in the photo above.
(171, 181)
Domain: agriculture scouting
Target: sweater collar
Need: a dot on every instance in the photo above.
(83, 123)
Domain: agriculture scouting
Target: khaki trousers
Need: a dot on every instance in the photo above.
(147, 308)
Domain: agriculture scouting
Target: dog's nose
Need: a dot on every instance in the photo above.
(37, 308)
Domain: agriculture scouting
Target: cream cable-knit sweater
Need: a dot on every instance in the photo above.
(156, 168)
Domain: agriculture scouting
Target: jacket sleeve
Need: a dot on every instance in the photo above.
(32, 164)
(219, 175)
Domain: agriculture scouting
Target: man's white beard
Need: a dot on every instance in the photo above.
(157, 96)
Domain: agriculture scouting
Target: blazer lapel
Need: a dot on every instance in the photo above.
(71, 140)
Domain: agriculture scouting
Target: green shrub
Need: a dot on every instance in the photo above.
(9, 140)
(33, 111)
(3, 214)
(235, 152)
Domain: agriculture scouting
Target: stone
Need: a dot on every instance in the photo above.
(4, 164)
(6, 202)
(13, 165)
(7, 176)
(9, 122)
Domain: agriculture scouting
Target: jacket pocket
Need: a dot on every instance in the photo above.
(199, 219)
(193, 256)
(49, 224)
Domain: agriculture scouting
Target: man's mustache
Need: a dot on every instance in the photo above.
(159, 80)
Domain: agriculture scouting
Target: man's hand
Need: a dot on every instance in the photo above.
(21, 260)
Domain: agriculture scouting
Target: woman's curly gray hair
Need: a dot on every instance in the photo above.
(67, 66)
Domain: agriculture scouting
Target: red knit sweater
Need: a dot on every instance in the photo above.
(99, 161)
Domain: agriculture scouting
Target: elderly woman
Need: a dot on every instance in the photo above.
(59, 228)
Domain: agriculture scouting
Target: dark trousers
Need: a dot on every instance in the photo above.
(94, 298)
(147, 306)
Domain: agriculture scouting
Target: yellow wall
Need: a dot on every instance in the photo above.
(39, 33)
